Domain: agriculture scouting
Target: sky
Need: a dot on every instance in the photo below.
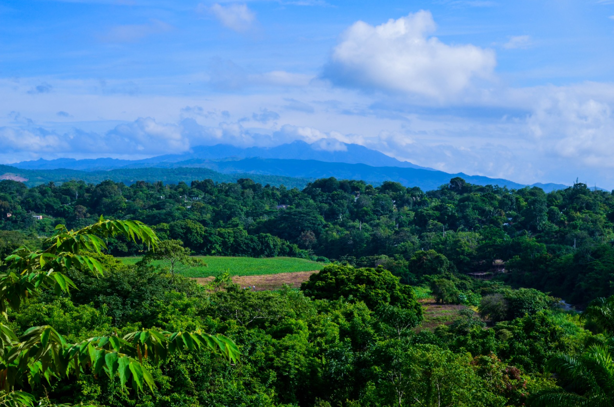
(522, 90)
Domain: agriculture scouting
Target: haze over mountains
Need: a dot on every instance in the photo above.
(324, 158)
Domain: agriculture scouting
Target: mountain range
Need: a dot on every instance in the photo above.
(298, 160)
(327, 150)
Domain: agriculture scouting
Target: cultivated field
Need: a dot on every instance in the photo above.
(242, 266)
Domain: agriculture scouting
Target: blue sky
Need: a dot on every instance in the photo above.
(522, 90)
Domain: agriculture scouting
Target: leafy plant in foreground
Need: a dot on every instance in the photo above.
(41, 353)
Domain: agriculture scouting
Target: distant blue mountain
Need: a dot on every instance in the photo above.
(322, 150)
(324, 158)
(98, 164)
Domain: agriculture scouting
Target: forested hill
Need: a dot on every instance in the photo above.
(129, 176)
(560, 242)
(425, 179)
(291, 173)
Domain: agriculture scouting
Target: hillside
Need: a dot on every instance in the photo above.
(130, 176)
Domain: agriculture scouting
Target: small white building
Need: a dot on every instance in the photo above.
(38, 217)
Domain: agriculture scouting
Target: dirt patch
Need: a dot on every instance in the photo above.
(267, 281)
(13, 177)
(439, 314)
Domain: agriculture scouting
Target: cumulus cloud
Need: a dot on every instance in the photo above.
(518, 42)
(134, 32)
(401, 56)
(237, 17)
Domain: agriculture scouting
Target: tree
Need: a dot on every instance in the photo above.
(374, 286)
(457, 184)
(41, 353)
(587, 380)
(424, 263)
(397, 320)
(425, 375)
(512, 304)
(173, 252)
(494, 307)
(445, 291)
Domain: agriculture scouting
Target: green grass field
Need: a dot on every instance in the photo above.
(241, 266)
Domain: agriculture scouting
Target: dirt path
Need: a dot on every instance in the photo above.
(267, 281)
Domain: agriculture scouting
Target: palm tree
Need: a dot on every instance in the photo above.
(586, 381)
(601, 312)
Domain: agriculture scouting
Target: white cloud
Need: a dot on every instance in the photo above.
(329, 144)
(575, 127)
(32, 140)
(237, 17)
(134, 32)
(145, 134)
(401, 56)
(518, 42)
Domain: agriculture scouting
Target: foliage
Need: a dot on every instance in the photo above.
(445, 291)
(512, 304)
(600, 313)
(41, 353)
(587, 380)
(353, 335)
(374, 287)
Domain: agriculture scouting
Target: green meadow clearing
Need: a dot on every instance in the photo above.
(240, 266)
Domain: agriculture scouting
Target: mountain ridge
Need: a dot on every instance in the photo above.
(325, 150)
(292, 173)
(297, 160)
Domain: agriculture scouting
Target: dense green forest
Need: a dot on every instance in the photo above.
(353, 335)
(129, 176)
(560, 242)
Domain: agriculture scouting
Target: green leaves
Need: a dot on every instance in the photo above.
(43, 354)
(158, 345)
(31, 270)
(16, 399)
(591, 379)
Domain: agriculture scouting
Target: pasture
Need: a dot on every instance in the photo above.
(240, 266)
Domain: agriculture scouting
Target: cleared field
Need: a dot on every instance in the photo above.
(241, 266)
(267, 281)
(438, 314)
